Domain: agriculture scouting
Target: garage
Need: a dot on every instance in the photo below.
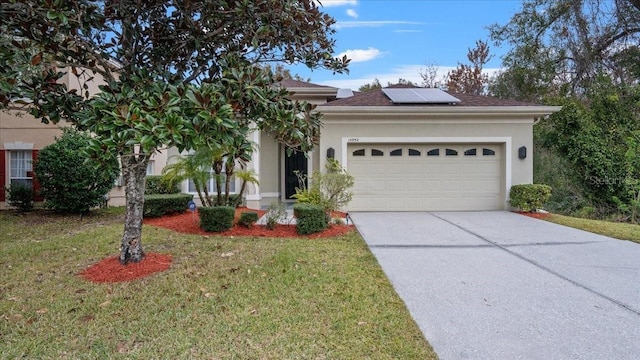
(427, 177)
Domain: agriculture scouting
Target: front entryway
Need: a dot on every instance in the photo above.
(294, 163)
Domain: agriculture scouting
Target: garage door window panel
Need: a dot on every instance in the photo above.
(396, 152)
(451, 152)
(376, 152)
(433, 152)
(359, 152)
(414, 152)
(488, 152)
(470, 152)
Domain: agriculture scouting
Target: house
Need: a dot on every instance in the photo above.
(410, 149)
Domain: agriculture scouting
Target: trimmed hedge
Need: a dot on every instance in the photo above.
(155, 185)
(217, 219)
(248, 218)
(310, 218)
(529, 197)
(157, 205)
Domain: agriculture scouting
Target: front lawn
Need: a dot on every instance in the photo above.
(242, 298)
(616, 230)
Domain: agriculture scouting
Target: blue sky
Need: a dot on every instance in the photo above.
(392, 39)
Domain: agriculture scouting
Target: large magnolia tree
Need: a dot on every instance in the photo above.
(177, 73)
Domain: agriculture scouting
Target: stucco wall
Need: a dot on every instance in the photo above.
(513, 132)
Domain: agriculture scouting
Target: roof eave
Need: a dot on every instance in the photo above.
(534, 111)
(313, 91)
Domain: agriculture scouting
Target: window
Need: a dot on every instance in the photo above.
(488, 152)
(151, 166)
(397, 152)
(21, 167)
(433, 152)
(451, 152)
(211, 184)
(470, 152)
(414, 152)
(376, 152)
(359, 152)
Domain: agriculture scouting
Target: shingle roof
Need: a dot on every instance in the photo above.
(378, 98)
(290, 83)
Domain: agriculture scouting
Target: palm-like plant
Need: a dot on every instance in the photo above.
(247, 177)
(194, 167)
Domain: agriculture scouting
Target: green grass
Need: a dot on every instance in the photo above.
(271, 299)
(621, 231)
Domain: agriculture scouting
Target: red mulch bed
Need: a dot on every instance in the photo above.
(189, 223)
(535, 215)
(110, 270)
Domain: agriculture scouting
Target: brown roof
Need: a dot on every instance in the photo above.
(290, 83)
(378, 98)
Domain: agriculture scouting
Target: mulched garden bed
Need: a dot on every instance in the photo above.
(536, 215)
(110, 270)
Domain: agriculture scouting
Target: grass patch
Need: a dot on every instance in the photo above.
(241, 298)
(621, 231)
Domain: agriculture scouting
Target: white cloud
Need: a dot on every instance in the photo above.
(361, 55)
(331, 3)
(356, 24)
(407, 72)
(352, 13)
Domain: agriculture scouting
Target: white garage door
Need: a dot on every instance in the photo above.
(426, 177)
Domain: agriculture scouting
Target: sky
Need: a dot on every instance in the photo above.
(391, 39)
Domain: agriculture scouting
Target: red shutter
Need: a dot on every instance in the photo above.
(36, 184)
(3, 173)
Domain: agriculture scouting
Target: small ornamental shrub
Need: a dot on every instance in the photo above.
(217, 218)
(331, 189)
(529, 197)
(20, 196)
(70, 181)
(163, 204)
(275, 214)
(310, 218)
(248, 218)
(156, 185)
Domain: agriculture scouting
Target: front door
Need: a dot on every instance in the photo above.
(294, 163)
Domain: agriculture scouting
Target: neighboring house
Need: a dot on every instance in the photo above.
(410, 149)
(22, 137)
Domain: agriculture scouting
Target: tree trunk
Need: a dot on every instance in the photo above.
(134, 171)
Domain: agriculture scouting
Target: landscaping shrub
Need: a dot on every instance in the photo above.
(163, 204)
(248, 218)
(217, 218)
(156, 185)
(70, 182)
(310, 218)
(275, 213)
(529, 197)
(20, 196)
(331, 190)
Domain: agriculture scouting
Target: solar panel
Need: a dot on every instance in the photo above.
(419, 96)
(344, 93)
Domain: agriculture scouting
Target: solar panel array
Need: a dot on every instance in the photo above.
(419, 96)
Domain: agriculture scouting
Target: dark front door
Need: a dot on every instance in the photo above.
(296, 162)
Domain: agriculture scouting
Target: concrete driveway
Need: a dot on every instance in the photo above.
(498, 285)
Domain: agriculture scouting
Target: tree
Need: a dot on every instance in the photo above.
(469, 79)
(69, 182)
(281, 72)
(566, 44)
(177, 74)
(376, 85)
(429, 77)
